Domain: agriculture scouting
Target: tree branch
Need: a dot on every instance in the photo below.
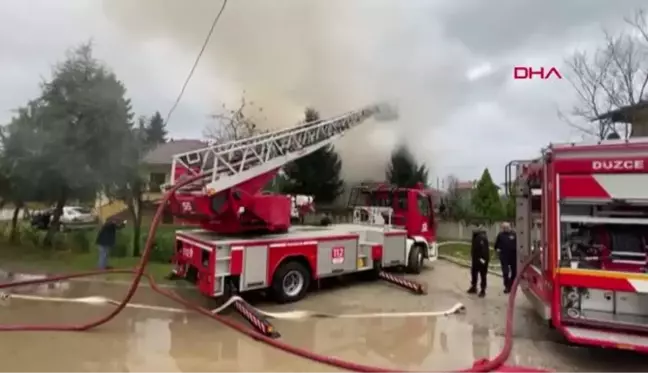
(233, 125)
(614, 76)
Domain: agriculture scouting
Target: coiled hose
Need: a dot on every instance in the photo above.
(139, 272)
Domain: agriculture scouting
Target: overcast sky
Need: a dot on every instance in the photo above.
(447, 63)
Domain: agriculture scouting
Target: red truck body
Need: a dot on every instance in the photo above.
(585, 208)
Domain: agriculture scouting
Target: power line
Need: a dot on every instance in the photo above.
(193, 68)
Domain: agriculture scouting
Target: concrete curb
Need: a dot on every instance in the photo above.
(144, 283)
(465, 263)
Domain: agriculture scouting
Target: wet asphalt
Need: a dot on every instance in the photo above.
(145, 340)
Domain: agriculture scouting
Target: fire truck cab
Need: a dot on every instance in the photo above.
(584, 207)
(411, 209)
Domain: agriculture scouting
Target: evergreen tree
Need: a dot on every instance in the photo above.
(317, 174)
(509, 203)
(155, 130)
(403, 170)
(83, 115)
(485, 198)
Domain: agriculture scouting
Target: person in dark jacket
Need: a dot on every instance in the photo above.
(480, 254)
(505, 246)
(106, 239)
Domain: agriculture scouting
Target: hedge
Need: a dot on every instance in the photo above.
(83, 240)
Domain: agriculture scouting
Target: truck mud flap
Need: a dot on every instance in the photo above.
(413, 286)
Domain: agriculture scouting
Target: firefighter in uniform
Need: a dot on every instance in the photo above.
(505, 246)
(480, 254)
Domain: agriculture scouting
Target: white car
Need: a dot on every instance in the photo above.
(76, 215)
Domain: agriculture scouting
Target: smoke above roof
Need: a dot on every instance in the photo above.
(332, 55)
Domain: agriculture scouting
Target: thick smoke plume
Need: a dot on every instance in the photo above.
(331, 55)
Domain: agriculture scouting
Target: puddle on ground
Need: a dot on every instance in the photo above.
(51, 288)
(77, 289)
(154, 341)
(141, 340)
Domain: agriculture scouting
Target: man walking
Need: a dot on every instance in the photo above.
(105, 241)
(480, 255)
(505, 246)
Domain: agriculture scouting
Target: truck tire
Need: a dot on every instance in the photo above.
(415, 259)
(290, 282)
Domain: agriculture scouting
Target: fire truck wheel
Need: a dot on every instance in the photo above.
(415, 260)
(290, 282)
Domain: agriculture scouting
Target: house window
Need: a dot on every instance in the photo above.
(156, 180)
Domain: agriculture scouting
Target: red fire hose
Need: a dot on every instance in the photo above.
(479, 366)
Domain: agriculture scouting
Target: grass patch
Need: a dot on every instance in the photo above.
(75, 251)
(458, 251)
(27, 259)
(462, 251)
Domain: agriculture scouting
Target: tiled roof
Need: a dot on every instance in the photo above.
(435, 192)
(624, 113)
(163, 153)
(466, 185)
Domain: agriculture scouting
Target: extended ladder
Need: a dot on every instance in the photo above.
(235, 162)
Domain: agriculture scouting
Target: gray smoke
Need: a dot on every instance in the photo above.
(332, 55)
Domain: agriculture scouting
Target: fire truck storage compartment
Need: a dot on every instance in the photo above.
(254, 274)
(392, 240)
(331, 250)
(605, 306)
(607, 235)
(394, 250)
(336, 256)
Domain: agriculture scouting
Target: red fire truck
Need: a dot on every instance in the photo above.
(585, 208)
(246, 242)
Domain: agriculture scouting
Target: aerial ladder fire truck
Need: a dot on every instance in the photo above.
(583, 210)
(246, 241)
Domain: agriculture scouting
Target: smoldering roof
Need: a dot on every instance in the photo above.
(333, 55)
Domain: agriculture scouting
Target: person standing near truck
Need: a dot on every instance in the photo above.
(505, 247)
(106, 239)
(480, 255)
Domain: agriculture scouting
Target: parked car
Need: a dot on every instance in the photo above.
(77, 216)
(71, 217)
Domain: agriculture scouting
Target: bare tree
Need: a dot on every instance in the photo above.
(234, 124)
(454, 203)
(613, 76)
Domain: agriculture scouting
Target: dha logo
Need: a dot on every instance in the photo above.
(528, 73)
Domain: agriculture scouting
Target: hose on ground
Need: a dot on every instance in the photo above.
(139, 273)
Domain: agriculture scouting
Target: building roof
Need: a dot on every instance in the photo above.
(470, 185)
(464, 185)
(623, 114)
(163, 153)
(435, 192)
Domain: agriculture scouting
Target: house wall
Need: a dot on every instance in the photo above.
(106, 208)
(640, 124)
(153, 170)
